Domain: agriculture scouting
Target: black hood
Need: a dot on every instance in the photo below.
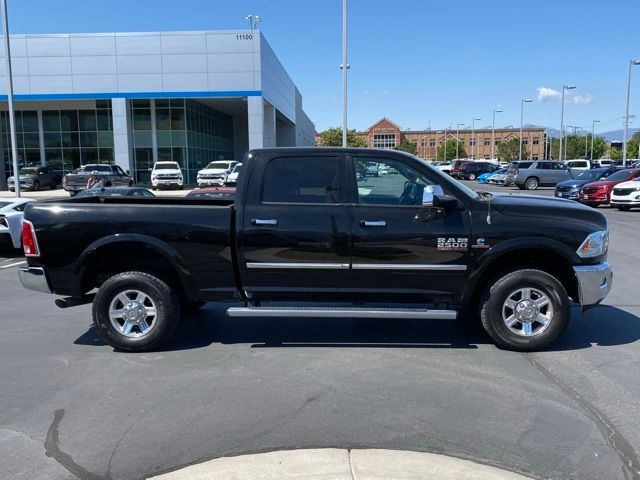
(547, 207)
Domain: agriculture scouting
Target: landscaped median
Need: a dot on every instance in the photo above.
(340, 464)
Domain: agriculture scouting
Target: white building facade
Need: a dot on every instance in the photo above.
(137, 98)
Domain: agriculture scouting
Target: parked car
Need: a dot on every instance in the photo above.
(455, 168)
(226, 193)
(626, 195)
(444, 167)
(505, 178)
(486, 177)
(597, 193)
(578, 164)
(571, 188)
(111, 175)
(215, 173)
(471, 170)
(603, 162)
(540, 173)
(11, 215)
(232, 179)
(166, 175)
(116, 192)
(35, 178)
(298, 232)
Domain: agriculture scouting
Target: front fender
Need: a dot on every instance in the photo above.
(506, 247)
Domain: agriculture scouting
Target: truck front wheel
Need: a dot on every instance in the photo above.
(135, 311)
(525, 310)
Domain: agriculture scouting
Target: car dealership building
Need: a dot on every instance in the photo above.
(136, 98)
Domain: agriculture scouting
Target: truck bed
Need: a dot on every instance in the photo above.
(193, 235)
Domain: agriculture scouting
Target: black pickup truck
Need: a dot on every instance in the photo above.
(312, 229)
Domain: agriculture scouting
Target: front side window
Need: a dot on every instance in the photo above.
(394, 184)
(301, 180)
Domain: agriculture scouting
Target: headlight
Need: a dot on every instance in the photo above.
(594, 245)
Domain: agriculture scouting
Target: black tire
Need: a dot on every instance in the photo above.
(472, 176)
(531, 183)
(494, 298)
(164, 324)
(36, 186)
(520, 187)
(623, 208)
(131, 183)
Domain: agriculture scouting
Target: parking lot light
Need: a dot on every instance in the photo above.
(593, 127)
(522, 102)
(564, 88)
(626, 116)
(12, 113)
(493, 129)
(473, 134)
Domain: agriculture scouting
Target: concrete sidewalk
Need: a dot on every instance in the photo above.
(340, 464)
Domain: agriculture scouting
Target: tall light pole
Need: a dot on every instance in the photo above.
(344, 67)
(445, 144)
(493, 130)
(626, 115)
(12, 114)
(564, 87)
(458, 125)
(522, 102)
(593, 129)
(473, 134)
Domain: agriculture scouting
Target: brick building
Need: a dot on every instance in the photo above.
(386, 134)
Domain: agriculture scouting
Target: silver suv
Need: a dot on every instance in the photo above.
(540, 173)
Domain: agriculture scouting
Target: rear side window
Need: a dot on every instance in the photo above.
(524, 164)
(301, 180)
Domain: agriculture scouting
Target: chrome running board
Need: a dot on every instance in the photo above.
(348, 312)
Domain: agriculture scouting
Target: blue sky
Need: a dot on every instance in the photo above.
(417, 62)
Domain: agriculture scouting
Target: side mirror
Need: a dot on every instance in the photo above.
(150, 169)
(428, 194)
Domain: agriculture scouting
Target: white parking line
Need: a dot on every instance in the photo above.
(13, 264)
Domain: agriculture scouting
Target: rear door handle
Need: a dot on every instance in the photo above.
(373, 223)
(264, 221)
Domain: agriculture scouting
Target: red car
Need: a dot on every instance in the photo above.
(596, 193)
(455, 168)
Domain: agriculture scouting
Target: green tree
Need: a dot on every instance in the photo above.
(632, 148)
(332, 137)
(600, 146)
(408, 146)
(575, 147)
(510, 150)
(451, 150)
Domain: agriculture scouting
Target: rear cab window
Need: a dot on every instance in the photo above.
(314, 180)
(524, 165)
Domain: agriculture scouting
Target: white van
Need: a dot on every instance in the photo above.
(578, 164)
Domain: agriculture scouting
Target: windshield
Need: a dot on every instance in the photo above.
(4, 204)
(166, 166)
(621, 175)
(218, 165)
(591, 174)
(97, 168)
(29, 171)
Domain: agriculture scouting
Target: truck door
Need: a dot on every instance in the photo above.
(400, 249)
(294, 241)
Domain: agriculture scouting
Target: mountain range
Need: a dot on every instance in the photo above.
(610, 136)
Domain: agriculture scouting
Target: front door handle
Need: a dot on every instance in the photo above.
(264, 221)
(373, 223)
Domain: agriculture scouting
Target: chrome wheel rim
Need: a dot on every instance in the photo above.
(531, 184)
(132, 313)
(527, 312)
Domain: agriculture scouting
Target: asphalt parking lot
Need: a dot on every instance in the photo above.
(72, 407)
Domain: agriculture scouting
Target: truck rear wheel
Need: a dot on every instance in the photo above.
(135, 311)
(525, 310)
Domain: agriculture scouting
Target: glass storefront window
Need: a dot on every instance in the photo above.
(142, 119)
(51, 121)
(163, 119)
(68, 120)
(30, 122)
(177, 119)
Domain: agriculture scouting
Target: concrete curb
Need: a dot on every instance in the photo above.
(340, 464)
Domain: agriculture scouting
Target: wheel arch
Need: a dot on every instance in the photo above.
(545, 254)
(124, 252)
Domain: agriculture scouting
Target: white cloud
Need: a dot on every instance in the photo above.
(582, 99)
(546, 94)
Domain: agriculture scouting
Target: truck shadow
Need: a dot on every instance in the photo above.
(603, 325)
